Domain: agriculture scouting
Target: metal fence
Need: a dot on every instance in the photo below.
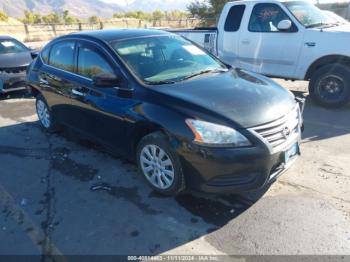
(42, 32)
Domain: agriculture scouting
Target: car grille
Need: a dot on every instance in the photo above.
(13, 70)
(281, 132)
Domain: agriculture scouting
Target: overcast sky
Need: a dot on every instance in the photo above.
(125, 2)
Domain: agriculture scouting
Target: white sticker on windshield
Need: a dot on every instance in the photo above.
(193, 50)
(8, 44)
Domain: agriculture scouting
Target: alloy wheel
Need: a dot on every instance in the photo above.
(43, 113)
(157, 166)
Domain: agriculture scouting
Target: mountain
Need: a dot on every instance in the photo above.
(79, 8)
(151, 5)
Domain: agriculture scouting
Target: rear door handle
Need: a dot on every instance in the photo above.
(245, 41)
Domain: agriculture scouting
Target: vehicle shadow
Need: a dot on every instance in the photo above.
(323, 123)
(95, 203)
(15, 95)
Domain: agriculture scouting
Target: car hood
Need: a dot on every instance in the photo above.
(345, 28)
(243, 97)
(15, 59)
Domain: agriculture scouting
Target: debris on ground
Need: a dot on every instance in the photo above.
(102, 186)
(24, 202)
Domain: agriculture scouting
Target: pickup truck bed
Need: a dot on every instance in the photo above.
(205, 37)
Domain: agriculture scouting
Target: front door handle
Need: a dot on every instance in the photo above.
(77, 92)
(43, 81)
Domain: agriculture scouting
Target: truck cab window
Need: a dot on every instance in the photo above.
(234, 18)
(265, 18)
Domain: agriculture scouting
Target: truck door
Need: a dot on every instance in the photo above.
(229, 39)
(265, 49)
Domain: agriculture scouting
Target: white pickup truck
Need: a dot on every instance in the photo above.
(285, 39)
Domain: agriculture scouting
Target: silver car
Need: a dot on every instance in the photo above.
(14, 60)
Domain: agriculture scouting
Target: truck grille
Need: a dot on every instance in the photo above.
(280, 132)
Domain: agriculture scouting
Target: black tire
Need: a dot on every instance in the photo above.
(160, 140)
(330, 85)
(52, 127)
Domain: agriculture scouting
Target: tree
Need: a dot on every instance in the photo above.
(210, 9)
(3, 16)
(68, 19)
(157, 15)
(176, 15)
(31, 18)
(52, 18)
(94, 19)
(118, 15)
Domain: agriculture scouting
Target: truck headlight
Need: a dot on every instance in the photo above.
(210, 134)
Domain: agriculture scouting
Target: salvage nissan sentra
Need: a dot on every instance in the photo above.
(188, 120)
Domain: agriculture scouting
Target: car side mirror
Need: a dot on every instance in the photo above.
(105, 80)
(34, 54)
(284, 25)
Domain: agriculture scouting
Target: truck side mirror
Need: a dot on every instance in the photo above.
(284, 25)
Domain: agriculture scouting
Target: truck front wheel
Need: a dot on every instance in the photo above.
(330, 85)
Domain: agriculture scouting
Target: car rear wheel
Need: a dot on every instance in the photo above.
(44, 114)
(330, 85)
(159, 164)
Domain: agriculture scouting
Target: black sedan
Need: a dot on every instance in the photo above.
(14, 60)
(188, 120)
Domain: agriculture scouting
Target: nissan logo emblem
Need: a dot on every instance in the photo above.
(286, 132)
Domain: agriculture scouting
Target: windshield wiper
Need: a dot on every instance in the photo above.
(204, 72)
(332, 24)
(315, 25)
(322, 24)
(160, 82)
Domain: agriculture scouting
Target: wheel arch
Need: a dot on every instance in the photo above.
(326, 60)
(141, 130)
(34, 91)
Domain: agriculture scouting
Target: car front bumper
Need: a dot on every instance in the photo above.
(12, 82)
(233, 170)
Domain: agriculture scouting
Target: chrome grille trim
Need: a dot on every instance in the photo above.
(272, 132)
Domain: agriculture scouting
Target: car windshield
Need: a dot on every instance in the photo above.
(8, 46)
(309, 15)
(165, 59)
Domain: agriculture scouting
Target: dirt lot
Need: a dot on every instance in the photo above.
(49, 202)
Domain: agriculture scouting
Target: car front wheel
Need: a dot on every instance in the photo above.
(44, 114)
(159, 164)
(330, 85)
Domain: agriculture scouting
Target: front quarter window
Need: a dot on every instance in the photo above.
(164, 59)
(92, 63)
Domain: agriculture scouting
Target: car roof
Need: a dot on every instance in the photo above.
(111, 35)
(5, 37)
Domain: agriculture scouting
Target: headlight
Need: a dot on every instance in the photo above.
(216, 135)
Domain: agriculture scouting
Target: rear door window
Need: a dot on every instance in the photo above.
(62, 55)
(234, 18)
